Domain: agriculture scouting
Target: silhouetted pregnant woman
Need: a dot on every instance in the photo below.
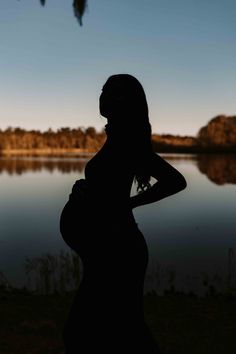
(97, 222)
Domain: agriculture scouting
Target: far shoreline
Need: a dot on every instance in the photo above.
(46, 152)
(88, 152)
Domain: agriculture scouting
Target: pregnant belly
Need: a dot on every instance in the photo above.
(73, 223)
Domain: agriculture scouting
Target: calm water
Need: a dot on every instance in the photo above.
(189, 234)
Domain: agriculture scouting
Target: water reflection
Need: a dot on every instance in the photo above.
(220, 169)
(188, 236)
(18, 166)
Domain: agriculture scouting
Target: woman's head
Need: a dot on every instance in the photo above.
(123, 102)
(123, 97)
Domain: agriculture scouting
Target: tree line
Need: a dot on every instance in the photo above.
(63, 138)
(84, 139)
(219, 135)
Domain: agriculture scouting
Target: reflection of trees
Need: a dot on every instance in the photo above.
(220, 169)
(22, 165)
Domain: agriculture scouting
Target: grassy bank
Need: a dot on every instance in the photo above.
(32, 324)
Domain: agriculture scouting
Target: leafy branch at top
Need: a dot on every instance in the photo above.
(79, 7)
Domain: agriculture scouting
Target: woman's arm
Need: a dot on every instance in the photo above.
(169, 181)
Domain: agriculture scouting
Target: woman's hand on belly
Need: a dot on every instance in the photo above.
(79, 190)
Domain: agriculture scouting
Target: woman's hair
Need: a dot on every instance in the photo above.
(132, 121)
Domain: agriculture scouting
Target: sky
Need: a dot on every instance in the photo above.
(52, 70)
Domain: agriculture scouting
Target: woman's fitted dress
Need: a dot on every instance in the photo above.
(107, 312)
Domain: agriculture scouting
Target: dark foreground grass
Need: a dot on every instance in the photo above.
(32, 324)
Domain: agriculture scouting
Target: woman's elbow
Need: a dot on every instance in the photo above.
(181, 183)
(177, 183)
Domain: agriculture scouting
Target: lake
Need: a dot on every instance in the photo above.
(191, 236)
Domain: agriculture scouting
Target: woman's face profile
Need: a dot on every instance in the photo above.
(112, 99)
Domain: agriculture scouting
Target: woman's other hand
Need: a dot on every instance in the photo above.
(79, 190)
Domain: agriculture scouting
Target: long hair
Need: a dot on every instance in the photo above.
(130, 114)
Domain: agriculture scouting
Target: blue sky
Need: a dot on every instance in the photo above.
(52, 70)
